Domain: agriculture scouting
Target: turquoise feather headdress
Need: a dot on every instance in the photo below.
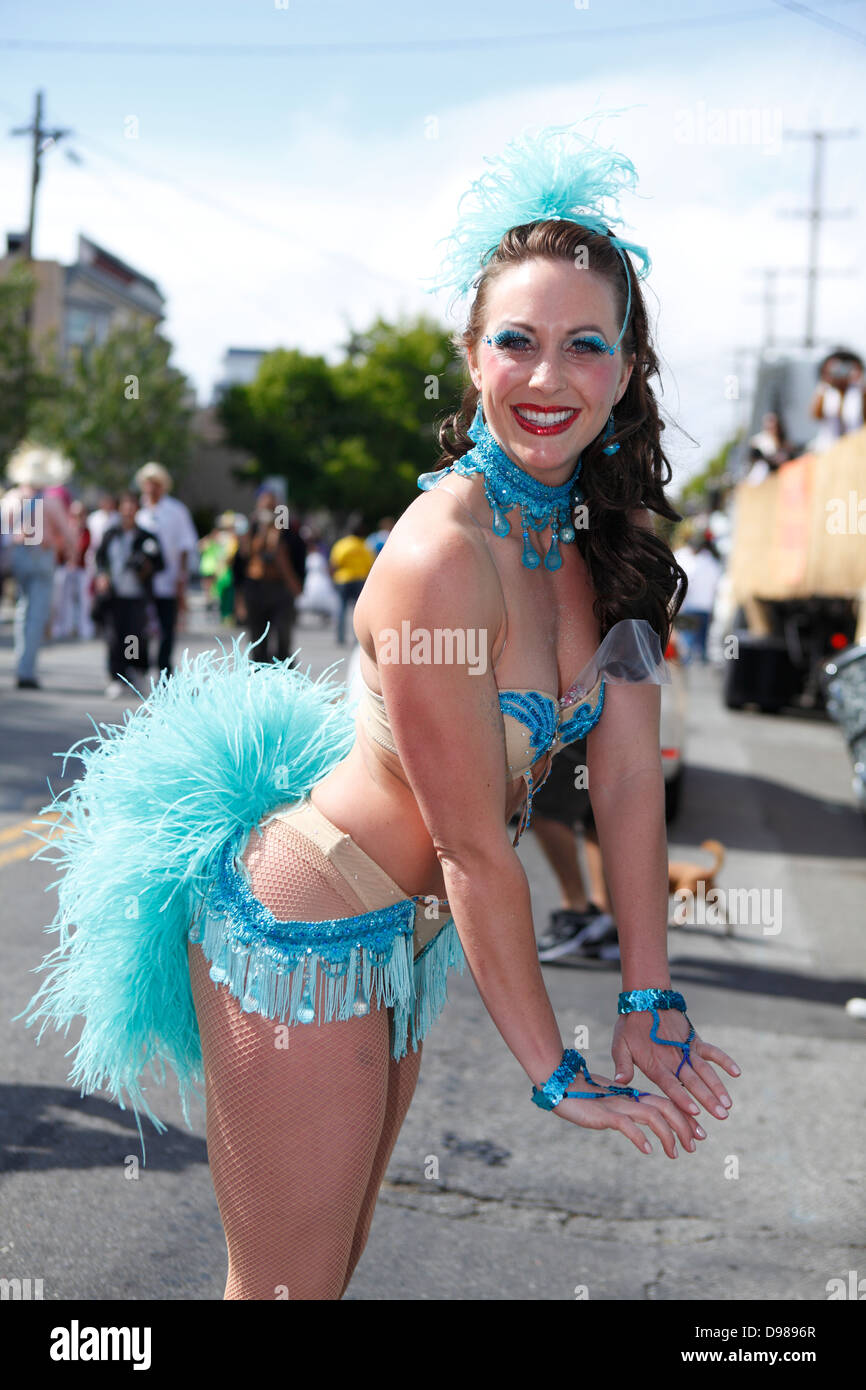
(557, 173)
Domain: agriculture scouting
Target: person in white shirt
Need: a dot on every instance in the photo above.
(98, 522)
(839, 403)
(171, 523)
(703, 568)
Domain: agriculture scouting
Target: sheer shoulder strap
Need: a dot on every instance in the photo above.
(442, 487)
(630, 654)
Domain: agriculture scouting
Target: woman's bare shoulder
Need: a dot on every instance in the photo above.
(435, 539)
(434, 515)
(435, 567)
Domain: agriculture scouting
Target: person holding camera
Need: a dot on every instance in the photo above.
(126, 561)
(839, 402)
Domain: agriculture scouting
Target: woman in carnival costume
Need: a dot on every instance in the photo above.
(266, 892)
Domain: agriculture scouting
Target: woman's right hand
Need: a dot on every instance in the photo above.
(661, 1115)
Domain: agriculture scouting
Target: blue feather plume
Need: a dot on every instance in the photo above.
(557, 173)
(213, 749)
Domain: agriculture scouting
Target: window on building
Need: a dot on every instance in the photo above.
(85, 323)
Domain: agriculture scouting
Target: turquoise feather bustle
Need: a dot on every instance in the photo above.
(211, 751)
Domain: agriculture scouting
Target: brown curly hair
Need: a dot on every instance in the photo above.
(633, 572)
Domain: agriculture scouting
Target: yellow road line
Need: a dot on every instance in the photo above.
(19, 852)
(14, 832)
(31, 845)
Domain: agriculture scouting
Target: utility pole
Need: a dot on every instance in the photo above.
(770, 298)
(816, 214)
(42, 140)
(741, 402)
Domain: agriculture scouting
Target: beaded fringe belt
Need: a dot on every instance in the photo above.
(301, 972)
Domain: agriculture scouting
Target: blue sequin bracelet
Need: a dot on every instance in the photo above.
(643, 1001)
(554, 1090)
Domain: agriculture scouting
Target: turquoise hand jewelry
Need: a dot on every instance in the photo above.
(506, 485)
(554, 1090)
(645, 1001)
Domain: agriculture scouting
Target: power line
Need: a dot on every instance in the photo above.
(214, 204)
(270, 309)
(823, 19)
(382, 47)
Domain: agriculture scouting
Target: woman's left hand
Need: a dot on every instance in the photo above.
(698, 1081)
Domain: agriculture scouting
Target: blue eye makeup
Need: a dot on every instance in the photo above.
(510, 340)
(592, 343)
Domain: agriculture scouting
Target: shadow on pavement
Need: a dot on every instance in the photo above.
(744, 979)
(48, 1127)
(752, 979)
(760, 815)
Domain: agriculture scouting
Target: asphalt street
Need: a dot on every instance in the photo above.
(518, 1204)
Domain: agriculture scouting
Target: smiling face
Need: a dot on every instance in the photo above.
(547, 379)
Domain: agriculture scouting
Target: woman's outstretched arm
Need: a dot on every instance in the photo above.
(447, 725)
(626, 789)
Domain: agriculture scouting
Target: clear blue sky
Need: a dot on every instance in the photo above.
(284, 172)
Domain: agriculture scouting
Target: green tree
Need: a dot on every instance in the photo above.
(355, 435)
(698, 488)
(287, 418)
(396, 385)
(27, 382)
(120, 404)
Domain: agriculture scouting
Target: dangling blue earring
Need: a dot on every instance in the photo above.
(608, 431)
(477, 425)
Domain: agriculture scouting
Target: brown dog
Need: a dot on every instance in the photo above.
(684, 877)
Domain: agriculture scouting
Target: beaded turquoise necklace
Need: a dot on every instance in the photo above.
(506, 486)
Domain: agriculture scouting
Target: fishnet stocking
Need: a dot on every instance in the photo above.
(301, 1119)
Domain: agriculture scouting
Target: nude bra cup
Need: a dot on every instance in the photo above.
(528, 718)
(629, 655)
(536, 722)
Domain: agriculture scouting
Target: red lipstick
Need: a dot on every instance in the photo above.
(535, 426)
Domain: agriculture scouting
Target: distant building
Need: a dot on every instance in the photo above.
(239, 368)
(209, 484)
(87, 299)
(99, 292)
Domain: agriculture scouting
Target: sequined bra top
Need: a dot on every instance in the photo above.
(534, 723)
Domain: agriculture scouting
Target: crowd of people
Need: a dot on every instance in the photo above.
(123, 570)
(262, 571)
